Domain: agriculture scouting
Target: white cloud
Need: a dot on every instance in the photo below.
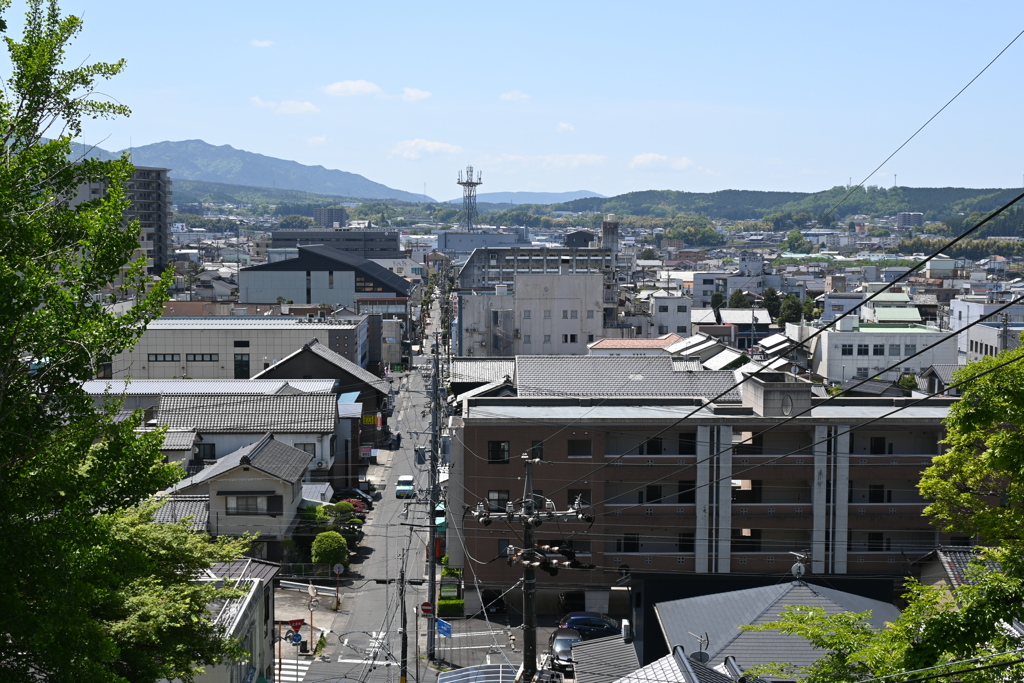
(415, 95)
(352, 88)
(566, 128)
(261, 43)
(286, 106)
(317, 140)
(414, 149)
(648, 159)
(514, 96)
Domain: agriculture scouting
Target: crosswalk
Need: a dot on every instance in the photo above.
(292, 671)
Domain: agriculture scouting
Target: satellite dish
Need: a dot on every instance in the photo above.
(798, 570)
(700, 656)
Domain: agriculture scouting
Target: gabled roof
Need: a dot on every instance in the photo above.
(944, 371)
(154, 387)
(320, 257)
(667, 670)
(662, 342)
(490, 389)
(897, 315)
(720, 360)
(873, 387)
(179, 507)
(956, 560)
(618, 376)
(703, 316)
(336, 359)
(720, 615)
(743, 316)
(179, 440)
(233, 413)
(246, 568)
(267, 455)
(602, 659)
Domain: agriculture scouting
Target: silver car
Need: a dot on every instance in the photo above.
(560, 647)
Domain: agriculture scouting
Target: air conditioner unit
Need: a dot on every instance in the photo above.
(320, 464)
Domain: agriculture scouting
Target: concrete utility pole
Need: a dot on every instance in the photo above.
(435, 441)
(530, 557)
(405, 630)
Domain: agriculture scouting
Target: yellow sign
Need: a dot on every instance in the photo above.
(370, 419)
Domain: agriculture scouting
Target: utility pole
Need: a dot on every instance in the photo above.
(405, 631)
(531, 557)
(435, 441)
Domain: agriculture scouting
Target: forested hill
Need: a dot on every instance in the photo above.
(936, 203)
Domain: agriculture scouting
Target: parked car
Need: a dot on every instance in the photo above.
(560, 647)
(357, 494)
(591, 625)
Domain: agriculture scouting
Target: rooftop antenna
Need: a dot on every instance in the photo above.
(798, 569)
(469, 196)
(703, 641)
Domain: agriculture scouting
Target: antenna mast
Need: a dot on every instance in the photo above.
(469, 196)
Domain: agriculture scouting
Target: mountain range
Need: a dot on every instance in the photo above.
(530, 197)
(199, 160)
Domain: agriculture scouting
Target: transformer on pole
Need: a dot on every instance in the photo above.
(469, 184)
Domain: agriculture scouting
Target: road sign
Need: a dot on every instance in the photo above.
(427, 608)
(296, 638)
(311, 589)
(296, 624)
(339, 569)
(444, 628)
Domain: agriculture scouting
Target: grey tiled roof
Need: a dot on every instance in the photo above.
(703, 316)
(875, 387)
(944, 371)
(179, 440)
(483, 370)
(956, 560)
(220, 413)
(666, 670)
(246, 568)
(348, 366)
(152, 387)
(743, 316)
(618, 376)
(179, 507)
(602, 659)
(720, 615)
(267, 455)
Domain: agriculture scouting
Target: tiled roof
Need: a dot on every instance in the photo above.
(180, 507)
(153, 387)
(667, 670)
(322, 491)
(179, 440)
(956, 560)
(944, 371)
(601, 659)
(661, 342)
(323, 351)
(618, 376)
(703, 316)
(250, 322)
(875, 387)
(483, 370)
(267, 455)
(307, 413)
(720, 615)
(720, 360)
(743, 316)
(246, 568)
(683, 365)
(897, 315)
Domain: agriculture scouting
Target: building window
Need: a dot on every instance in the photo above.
(688, 443)
(687, 492)
(547, 338)
(573, 338)
(574, 315)
(708, 282)
(878, 350)
(653, 493)
(590, 338)
(909, 349)
(497, 452)
(680, 309)
(846, 349)
(537, 450)
(876, 493)
(862, 349)
(862, 372)
(565, 315)
(242, 344)
(247, 505)
(590, 315)
(526, 339)
(894, 349)
(241, 365)
(165, 358)
(681, 329)
(202, 357)
(651, 446)
(330, 279)
(496, 500)
(307, 447)
(565, 339)
(662, 329)
(685, 543)
(547, 315)
(629, 543)
(663, 308)
(526, 315)
(206, 451)
(579, 448)
(837, 308)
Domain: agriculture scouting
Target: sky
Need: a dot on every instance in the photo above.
(609, 97)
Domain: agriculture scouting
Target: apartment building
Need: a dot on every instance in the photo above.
(677, 484)
(149, 193)
(968, 309)
(364, 243)
(233, 347)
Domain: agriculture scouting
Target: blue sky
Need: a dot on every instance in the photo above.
(555, 96)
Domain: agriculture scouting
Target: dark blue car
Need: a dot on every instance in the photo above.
(591, 625)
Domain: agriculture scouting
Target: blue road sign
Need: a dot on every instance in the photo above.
(444, 628)
(296, 638)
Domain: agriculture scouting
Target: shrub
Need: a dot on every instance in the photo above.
(330, 547)
(451, 607)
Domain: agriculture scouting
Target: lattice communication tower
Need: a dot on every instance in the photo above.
(469, 184)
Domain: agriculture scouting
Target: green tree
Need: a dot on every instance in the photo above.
(716, 300)
(330, 547)
(810, 312)
(738, 299)
(95, 591)
(649, 254)
(296, 222)
(908, 381)
(795, 243)
(791, 310)
(772, 302)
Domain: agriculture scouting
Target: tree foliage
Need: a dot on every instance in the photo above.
(790, 311)
(330, 547)
(772, 302)
(296, 222)
(738, 299)
(94, 591)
